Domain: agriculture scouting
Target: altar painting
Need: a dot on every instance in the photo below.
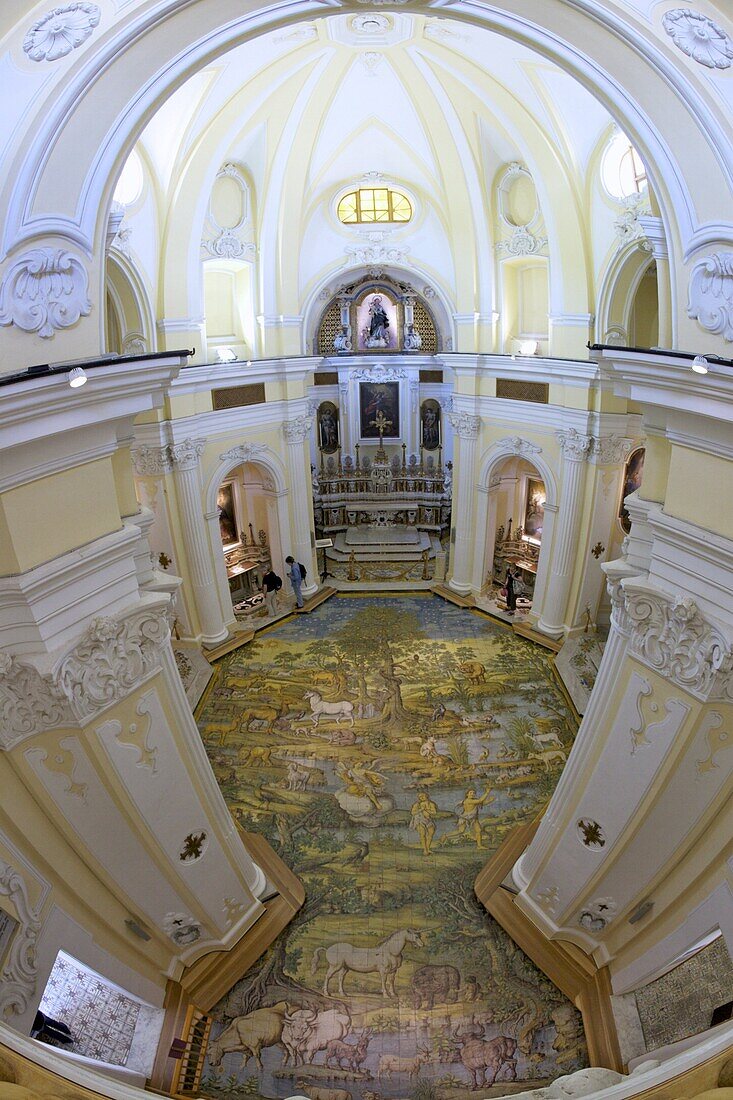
(377, 323)
(328, 427)
(377, 398)
(534, 510)
(430, 424)
(633, 473)
(227, 514)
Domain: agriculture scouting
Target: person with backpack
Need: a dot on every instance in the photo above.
(271, 585)
(296, 573)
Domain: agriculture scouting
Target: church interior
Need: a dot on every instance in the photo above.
(366, 550)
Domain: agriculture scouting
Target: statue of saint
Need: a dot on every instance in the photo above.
(378, 325)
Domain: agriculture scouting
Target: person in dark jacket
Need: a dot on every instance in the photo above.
(271, 585)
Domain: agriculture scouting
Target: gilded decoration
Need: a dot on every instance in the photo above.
(385, 747)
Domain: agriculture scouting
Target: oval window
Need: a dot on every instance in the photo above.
(374, 204)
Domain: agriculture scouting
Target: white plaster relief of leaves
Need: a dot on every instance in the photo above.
(377, 254)
(636, 726)
(111, 659)
(671, 636)
(244, 452)
(187, 455)
(608, 450)
(718, 739)
(378, 373)
(151, 461)
(573, 445)
(699, 37)
(711, 294)
(44, 290)
(60, 31)
(137, 736)
(29, 703)
(627, 225)
(18, 977)
(465, 425)
(297, 429)
(515, 445)
(229, 246)
(521, 243)
(675, 713)
(58, 758)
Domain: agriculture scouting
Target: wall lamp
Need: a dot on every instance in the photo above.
(701, 363)
(77, 377)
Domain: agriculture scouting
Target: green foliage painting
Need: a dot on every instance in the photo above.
(385, 747)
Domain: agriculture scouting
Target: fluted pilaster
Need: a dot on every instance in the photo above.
(466, 427)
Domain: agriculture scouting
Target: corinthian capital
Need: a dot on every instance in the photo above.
(573, 445)
(296, 430)
(465, 425)
(186, 455)
(151, 461)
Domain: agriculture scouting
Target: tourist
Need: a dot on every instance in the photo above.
(295, 576)
(271, 585)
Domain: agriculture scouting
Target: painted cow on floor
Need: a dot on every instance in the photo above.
(250, 1034)
(306, 1031)
(435, 983)
(486, 1056)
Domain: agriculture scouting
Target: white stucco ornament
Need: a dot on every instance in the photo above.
(710, 300)
(699, 38)
(44, 290)
(60, 31)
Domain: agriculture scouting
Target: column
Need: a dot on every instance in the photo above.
(295, 432)
(575, 449)
(466, 427)
(185, 459)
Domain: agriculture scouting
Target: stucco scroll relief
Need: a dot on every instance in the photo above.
(29, 702)
(244, 452)
(57, 756)
(671, 636)
(515, 445)
(44, 290)
(112, 657)
(60, 31)
(297, 429)
(136, 735)
(699, 37)
(710, 300)
(18, 977)
(465, 425)
(378, 373)
(717, 739)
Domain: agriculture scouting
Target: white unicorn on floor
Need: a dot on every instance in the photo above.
(321, 709)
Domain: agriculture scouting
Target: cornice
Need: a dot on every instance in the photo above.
(569, 372)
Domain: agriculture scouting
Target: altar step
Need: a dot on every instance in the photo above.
(316, 600)
(448, 594)
(234, 641)
(526, 631)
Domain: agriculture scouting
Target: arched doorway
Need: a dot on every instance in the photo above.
(515, 517)
(249, 541)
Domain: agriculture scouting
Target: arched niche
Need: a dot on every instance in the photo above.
(507, 469)
(628, 300)
(340, 323)
(259, 498)
(129, 327)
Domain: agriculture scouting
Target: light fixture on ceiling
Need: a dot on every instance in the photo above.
(77, 377)
(226, 355)
(700, 364)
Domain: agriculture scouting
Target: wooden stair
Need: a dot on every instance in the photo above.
(317, 599)
(234, 641)
(526, 631)
(448, 594)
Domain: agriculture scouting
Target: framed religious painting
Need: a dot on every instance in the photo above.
(633, 472)
(379, 404)
(328, 427)
(534, 508)
(226, 508)
(377, 323)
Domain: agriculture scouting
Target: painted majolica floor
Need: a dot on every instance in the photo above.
(385, 746)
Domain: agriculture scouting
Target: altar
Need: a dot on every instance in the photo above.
(382, 543)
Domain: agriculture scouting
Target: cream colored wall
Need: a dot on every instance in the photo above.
(54, 514)
(699, 489)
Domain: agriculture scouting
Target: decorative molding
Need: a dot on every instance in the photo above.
(378, 373)
(111, 659)
(465, 425)
(608, 450)
(57, 757)
(296, 430)
(232, 910)
(596, 915)
(627, 225)
(370, 60)
(228, 246)
(60, 31)
(186, 455)
(193, 847)
(134, 343)
(711, 294)
(182, 928)
(371, 24)
(521, 242)
(591, 834)
(29, 703)
(699, 37)
(244, 452)
(515, 445)
(671, 636)
(18, 977)
(151, 461)
(44, 290)
(376, 253)
(718, 739)
(549, 899)
(136, 737)
(574, 446)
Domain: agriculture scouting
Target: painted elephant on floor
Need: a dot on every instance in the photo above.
(431, 984)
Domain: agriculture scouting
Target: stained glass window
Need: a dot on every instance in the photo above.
(374, 204)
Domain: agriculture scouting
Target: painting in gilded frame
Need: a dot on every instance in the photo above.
(430, 424)
(633, 473)
(226, 509)
(534, 509)
(376, 398)
(328, 427)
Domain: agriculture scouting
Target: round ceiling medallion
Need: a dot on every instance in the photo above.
(371, 23)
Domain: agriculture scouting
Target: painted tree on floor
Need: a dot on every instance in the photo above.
(406, 742)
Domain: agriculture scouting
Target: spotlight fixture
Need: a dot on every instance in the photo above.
(700, 364)
(226, 355)
(77, 377)
(528, 347)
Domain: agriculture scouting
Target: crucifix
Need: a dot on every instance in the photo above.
(381, 423)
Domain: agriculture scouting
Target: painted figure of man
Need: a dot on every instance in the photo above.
(422, 819)
(296, 579)
(468, 819)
